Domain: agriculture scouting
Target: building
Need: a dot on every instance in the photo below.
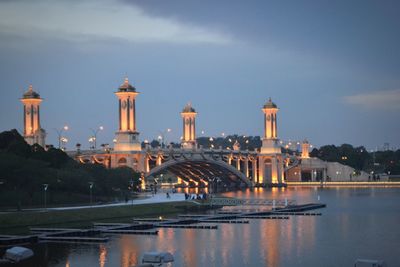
(309, 169)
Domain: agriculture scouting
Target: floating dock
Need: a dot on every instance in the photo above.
(148, 226)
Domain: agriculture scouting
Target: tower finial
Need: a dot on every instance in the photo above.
(30, 89)
(270, 100)
(126, 81)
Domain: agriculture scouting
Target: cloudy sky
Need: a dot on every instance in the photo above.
(332, 67)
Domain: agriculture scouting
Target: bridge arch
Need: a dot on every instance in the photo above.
(201, 170)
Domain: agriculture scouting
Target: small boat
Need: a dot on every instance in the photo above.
(154, 258)
(369, 263)
(16, 254)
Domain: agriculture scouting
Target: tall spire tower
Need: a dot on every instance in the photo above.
(305, 148)
(270, 159)
(33, 133)
(189, 127)
(127, 136)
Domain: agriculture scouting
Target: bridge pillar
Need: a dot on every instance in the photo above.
(246, 167)
(159, 160)
(255, 171)
(230, 160)
(147, 165)
(238, 163)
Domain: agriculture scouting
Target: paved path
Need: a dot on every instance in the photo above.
(146, 199)
(149, 199)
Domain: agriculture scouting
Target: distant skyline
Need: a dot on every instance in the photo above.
(332, 67)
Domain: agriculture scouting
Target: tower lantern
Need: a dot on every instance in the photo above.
(270, 159)
(33, 133)
(305, 148)
(189, 127)
(127, 136)
(270, 110)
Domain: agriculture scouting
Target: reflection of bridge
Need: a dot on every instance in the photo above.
(190, 164)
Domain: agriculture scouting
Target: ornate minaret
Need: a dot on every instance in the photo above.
(33, 133)
(127, 137)
(305, 148)
(189, 127)
(270, 159)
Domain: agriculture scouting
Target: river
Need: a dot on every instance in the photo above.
(357, 223)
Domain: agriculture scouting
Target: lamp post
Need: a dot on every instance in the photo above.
(337, 175)
(59, 134)
(162, 137)
(93, 138)
(64, 141)
(45, 187)
(131, 183)
(91, 188)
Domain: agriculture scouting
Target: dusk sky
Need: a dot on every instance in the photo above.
(332, 67)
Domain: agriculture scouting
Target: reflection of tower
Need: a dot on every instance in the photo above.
(33, 133)
(189, 127)
(305, 148)
(270, 158)
(127, 138)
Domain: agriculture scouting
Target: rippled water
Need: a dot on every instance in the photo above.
(357, 223)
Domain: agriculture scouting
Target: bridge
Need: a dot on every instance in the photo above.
(191, 164)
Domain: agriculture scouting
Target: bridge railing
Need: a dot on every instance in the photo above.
(252, 202)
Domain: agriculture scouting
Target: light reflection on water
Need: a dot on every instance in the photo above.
(358, 223)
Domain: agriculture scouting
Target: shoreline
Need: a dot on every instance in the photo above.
(344, 184)
(20, 222)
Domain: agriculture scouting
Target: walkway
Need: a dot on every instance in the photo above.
(148, 199)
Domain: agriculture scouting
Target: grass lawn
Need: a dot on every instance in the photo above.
(19, 222)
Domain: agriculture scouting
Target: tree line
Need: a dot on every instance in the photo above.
(25, 169)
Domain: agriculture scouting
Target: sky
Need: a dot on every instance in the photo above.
(332, 67)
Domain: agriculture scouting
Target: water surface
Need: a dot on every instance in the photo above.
(357, 223)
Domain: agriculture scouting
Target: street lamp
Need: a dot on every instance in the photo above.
(93, 138)
(59, 134)
(132, 183)
(91, 188)
(45, 187)
(64, 141)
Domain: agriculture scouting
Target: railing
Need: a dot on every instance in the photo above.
(251, 202)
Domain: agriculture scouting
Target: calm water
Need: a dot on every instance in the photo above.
(358, 223)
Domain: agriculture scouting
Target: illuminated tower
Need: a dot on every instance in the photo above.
(189, 127)
(33, 133)
(305, 148)
(127, 137)
(270, 159)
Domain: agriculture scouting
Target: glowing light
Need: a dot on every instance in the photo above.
(66, 127)
(101, 128)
